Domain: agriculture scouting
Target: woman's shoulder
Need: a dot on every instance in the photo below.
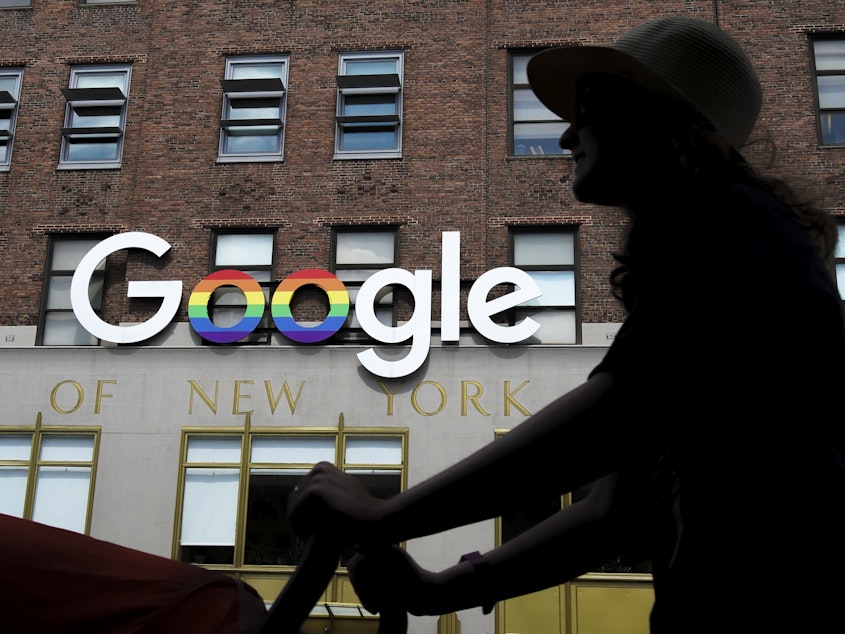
(741, 200)
(748, 212)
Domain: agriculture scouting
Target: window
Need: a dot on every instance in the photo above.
(369, 105)
(253, 120)
(10, 90)
(15, 3)
(357, 253)
(536, 130)
(223, 523)
(549, 258)
(250, 253)
(840, 261)
(620, 591)
(48, 475)
(95, 118)
(829, 57)
(59, 326)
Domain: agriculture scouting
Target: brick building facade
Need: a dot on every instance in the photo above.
(456, 164)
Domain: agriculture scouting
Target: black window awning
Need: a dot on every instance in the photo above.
(75, 95)
(270, 84)
(345, 82)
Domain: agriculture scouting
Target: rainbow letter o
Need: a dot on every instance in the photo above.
(338, 305)
(198, 306)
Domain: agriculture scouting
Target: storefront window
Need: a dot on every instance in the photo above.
(223, 523)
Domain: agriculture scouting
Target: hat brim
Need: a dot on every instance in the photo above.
(554, 73)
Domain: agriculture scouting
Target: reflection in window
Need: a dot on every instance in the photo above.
(536, 129)
(251, 253)
(48, 476)
(548, 256)
(254, 101)
(358, 254)
(10, 89)
(840, 262)
(220, 527)
(369, 105)
(829, 57)
(277, 464)
(59, 326)
(95, 118)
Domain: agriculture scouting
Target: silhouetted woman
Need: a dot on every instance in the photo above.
(710, 429)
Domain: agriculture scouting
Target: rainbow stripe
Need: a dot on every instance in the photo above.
(200, 296)
(338, 305)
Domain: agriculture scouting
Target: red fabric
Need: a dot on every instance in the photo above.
(54, 581)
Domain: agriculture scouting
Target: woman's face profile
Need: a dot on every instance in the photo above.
(618, 145)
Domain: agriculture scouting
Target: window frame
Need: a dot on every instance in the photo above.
(514, 55)
(817, 74)
(36, 461)
(253, 89)
(381, 84)
(262, 334)
(351, 332)
(541, 510)
(101, 102)
(339, 436)
(100, 277)
(10, 102)
(520, 312)
(839, 260)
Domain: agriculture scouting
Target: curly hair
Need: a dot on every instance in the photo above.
(705, 157)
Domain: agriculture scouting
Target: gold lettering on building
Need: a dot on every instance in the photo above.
(390, 394)
(67, 397)
(98, 401)
(237, 396)
(510, 400)
(415, 403)
(427, 398)
(54, 397)
(196, 389)
(275, 399)
(427, 404)
(466, 397)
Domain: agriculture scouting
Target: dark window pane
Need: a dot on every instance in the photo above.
(207, 555)
(518, 522)
(269, 538)
(833, 128)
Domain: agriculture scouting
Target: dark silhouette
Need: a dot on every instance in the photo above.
(710, 430)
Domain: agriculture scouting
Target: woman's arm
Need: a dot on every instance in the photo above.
(569, 443)
(575, 540)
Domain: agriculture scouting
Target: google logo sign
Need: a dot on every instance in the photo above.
(280, 307)
(414, 332)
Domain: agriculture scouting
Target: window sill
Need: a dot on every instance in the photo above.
(367, 155)
(537, 157)
(258, 158)
(88, 166)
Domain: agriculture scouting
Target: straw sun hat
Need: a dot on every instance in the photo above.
(676, 56)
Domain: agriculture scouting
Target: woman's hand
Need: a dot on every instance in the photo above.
(329, 501)
(386, 578)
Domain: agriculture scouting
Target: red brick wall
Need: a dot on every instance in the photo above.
(455, 173)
